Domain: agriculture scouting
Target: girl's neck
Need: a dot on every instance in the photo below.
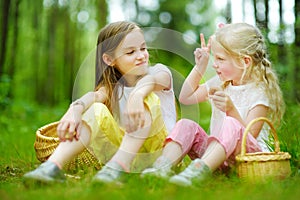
(240, 82)
(236, 83)
(131, 80)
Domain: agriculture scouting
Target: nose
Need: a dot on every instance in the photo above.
(215, 65)
(140, 55)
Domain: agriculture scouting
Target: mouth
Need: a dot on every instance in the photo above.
(142, 63)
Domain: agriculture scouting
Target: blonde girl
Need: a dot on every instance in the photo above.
(245, 87)
(126, 119)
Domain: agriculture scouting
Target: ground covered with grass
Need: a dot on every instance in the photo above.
(18, 124)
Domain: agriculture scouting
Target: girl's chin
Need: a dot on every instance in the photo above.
(222, 78)
(140, 71)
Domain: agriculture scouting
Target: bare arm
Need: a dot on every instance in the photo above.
(71, 121)
(257, 111)
(135, 110)
(191, 92)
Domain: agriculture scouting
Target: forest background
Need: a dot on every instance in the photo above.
(44, 43)
(47, 50)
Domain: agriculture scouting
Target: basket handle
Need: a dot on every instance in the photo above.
(277, 146)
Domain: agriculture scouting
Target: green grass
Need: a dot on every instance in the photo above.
(19, 123)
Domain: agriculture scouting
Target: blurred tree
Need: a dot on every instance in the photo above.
(5, 5)
(10, 62)
(228, 11)
(282, 56)
(296, 50)
(43, 44)
(261, 13)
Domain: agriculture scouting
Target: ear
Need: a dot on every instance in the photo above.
(247, 61)
(107, 59)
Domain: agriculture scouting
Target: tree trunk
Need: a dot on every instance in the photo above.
(11, 69)
(51, 41)
(296, 73)
(12, 64)
(266, 22)
(255, 12)
(5, 19)
(282, 52)
(228, 12)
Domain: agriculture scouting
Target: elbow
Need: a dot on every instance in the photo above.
(183, 100)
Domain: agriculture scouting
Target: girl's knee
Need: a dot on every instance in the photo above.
(100, 108)
(187, 133)
(232, 126)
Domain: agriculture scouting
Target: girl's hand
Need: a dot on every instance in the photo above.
(134, 112)
(202, 54)
(70, 124)
(222, 101)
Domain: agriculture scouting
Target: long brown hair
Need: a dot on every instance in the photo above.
(109, 77)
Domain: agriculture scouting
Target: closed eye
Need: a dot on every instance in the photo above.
(130, 52)
(220, 58)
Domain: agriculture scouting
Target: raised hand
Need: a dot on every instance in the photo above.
(202, 54)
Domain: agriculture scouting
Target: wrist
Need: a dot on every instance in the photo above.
(232, 112)
(199, 69)
(141, 91)
(78, 103)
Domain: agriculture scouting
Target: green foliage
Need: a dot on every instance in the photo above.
(289, 134)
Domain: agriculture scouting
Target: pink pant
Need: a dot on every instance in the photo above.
(194, 140)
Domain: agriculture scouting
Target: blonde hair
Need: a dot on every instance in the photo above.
(242, 39)
(109, 38)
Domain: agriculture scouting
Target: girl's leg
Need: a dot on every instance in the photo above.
(121, 161)
(187, 137)
(214, 156)
(221, 146)
(67, 151)
(148, 140)
(130, 145)
(50, 170)
(225, 144)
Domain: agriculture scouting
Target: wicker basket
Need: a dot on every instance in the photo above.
(46, 142)
(262, 166)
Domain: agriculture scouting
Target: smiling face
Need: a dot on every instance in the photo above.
(131, 56)
(227, 67)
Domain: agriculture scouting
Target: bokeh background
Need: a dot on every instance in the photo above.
(45, 43)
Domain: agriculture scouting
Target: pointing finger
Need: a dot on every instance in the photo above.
(202, 39)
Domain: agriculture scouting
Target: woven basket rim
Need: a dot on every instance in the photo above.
(263, 156)
(44, 129)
